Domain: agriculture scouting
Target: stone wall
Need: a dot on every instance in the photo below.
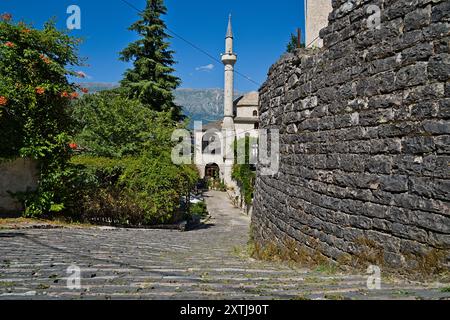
(15, 175)
(365, 137)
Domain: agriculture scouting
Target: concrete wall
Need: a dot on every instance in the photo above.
(317, 12)
(246, 112)
(365, 134)
(15, 175)
(245, 128)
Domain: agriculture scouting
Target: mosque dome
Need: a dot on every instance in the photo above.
(250, 99)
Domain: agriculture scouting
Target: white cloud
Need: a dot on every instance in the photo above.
(207, 68)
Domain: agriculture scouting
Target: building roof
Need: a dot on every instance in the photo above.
(246, 120)
(213, 125)
(250, 99)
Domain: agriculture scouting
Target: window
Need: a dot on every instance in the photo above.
(255, 113)
(211, 143)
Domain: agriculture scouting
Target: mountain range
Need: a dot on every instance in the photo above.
(198, 104)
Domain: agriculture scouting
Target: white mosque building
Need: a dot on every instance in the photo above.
(214, 155)
(241, 116)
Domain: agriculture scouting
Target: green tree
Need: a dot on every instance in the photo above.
(293, 44)
(111, 125)
(34, 90)
(126, 154)
(35, 98)
(151, 79)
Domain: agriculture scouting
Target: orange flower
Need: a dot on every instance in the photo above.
(9, 44)
(3, 101)
(64, 94)
(74, 95)
(26, 30)
(6, 17)
(45, 59)
(73, 146)
(84, 90)
(40, 90)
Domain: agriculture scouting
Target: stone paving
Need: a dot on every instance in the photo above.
(206, 263)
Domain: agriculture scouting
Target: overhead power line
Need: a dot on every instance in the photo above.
(312, 41)
(174, 34)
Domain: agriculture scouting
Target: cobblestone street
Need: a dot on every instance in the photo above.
(161, 264)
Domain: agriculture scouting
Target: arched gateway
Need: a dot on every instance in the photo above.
(212, 171)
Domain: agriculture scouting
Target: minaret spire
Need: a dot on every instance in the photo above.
(230, 29)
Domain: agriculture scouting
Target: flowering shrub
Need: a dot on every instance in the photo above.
(34, 114)
(40, 119)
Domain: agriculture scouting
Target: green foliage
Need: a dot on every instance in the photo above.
(124, 174)
(158, 185)
(111, 125)
(35, 119)
(102, 172)
(127, 148)
(125, 134)
(34, 102)
(142, 190)
(217, 184)
(243, 173)
(102, 198)
(59, 190)
(293, 44)
(151, 80)
(199, 209)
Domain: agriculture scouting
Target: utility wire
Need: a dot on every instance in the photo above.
(312, 41)
(193, 45)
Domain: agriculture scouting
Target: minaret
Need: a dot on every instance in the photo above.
(229, 58)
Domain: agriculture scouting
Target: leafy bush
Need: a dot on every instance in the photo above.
(34, 101)
(111, 206)
(244, 174)
(134, 191)
(127, 148)
(158, 185)
(110, 125)
(126, 175)
(199, 209)
(217, 184)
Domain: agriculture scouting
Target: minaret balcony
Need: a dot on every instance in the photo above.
(229, 58)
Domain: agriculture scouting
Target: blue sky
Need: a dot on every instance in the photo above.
(261, 30)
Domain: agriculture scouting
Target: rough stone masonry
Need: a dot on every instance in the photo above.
(364, 138)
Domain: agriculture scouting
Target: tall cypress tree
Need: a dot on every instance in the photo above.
(151, 80)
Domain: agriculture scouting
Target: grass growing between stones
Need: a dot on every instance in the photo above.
(289, 251)
(422, 267)
(446, 289)
(402, 293)
(42, 286)
(302, 297)
(327, 268)
(18, 223)
(7, 284)
(429, 263)
(331, 296)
